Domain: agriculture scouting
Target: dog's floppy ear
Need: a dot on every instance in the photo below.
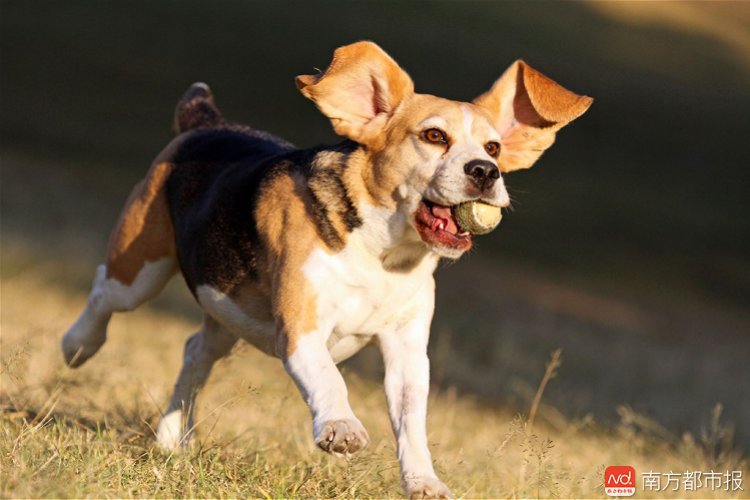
(528, 109)
(359, 91)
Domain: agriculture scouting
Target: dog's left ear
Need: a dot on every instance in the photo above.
(528, 109)
(359, 91)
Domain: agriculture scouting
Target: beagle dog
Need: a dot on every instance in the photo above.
(311, 254)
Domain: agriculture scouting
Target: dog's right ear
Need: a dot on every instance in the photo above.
(359, 91)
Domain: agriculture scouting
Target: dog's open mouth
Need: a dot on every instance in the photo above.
(437, 226)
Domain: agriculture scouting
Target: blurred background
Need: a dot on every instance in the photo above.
(629, 243)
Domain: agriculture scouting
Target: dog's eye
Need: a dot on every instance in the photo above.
(492, 148)
(435, 136)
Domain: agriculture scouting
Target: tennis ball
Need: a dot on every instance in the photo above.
(477, 217)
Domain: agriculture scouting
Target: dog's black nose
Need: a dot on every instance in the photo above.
(483, 173)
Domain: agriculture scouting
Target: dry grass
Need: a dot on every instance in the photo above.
(88, 433)
(644, 287)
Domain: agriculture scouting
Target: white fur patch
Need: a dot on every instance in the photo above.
(107, 296)
(169, 433)
(319, 380)
(356, 296)
(407, 382)
(147, 283)
(468, 120)
(259, 332)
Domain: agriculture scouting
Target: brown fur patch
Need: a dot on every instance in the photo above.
(358, 91)
(539, 107)
(289, 237)
(144, 232)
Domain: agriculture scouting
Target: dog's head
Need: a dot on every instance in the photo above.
(428, 154)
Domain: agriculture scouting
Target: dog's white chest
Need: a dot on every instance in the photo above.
(356, 298)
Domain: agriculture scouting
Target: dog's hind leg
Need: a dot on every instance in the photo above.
(140, 261)
(202, 350)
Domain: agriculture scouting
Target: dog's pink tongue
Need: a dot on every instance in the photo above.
(445, 215)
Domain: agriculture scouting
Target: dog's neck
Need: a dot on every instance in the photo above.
(362, 210)
(386, 231)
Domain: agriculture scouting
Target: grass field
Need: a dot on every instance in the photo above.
(627, 249)
(89, 433)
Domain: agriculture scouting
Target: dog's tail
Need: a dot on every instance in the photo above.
(196, 109)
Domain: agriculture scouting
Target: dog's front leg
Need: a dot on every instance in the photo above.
(335, 428)
(407, 384)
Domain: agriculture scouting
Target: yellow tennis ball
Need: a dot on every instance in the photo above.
(477, 217)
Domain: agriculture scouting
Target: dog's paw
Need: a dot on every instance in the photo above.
(170, 433)
(342, 436)
(83, 340)
(426, 487)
